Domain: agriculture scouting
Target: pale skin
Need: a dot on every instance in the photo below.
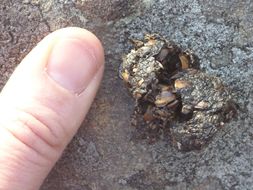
(44, 103)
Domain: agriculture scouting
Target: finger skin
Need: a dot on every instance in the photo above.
(38, 115)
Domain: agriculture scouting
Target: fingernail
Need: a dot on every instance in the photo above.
(72, 64)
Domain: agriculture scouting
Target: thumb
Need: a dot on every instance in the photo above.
(44, 103)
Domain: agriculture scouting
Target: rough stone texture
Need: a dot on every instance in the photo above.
(102, 155)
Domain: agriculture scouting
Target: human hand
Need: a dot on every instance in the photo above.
(44, 103)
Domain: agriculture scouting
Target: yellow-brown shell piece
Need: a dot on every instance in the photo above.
(137, 95)
(137, 43)
(184, 59)
(140, 82)
(202, 105)
(180, 84)
(164, 98)
(125, 75)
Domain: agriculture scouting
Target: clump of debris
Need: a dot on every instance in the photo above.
(173, 94)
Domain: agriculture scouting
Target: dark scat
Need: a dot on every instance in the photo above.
(173, 96)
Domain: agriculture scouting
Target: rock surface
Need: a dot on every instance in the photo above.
(102, 155)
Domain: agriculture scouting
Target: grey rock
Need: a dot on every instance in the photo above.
(219, 32)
